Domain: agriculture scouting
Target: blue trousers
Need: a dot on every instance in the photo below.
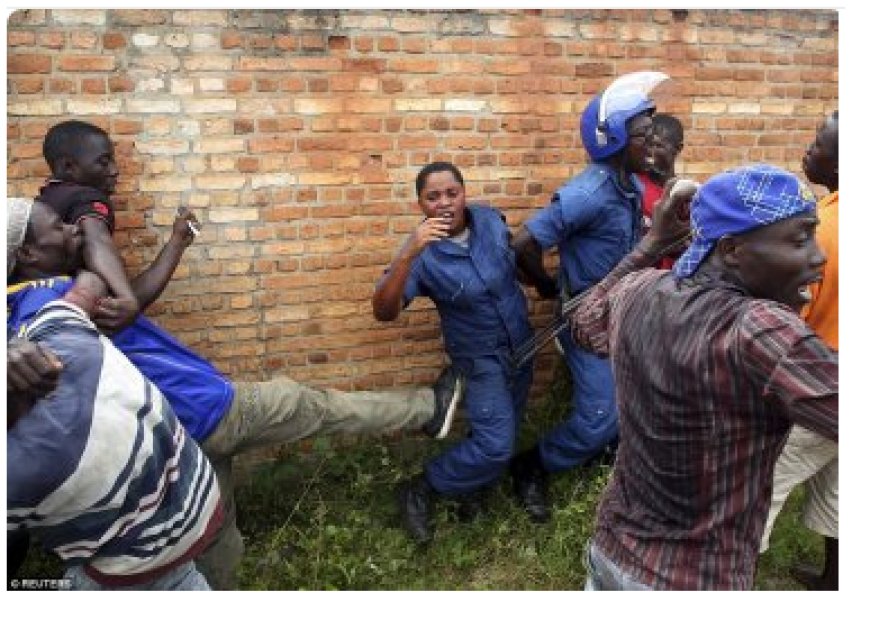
(592, 423)
(495, 401)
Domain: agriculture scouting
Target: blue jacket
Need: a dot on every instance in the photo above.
(595, 223)
(482, 306)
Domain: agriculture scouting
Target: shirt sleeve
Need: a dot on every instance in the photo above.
(799, 372)
(56, 427)
(565, 214)
(413, 285)
(23, 305)
(590, 318)
(95, 208)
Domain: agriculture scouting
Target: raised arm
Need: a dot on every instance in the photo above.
(149, 284)
(387, 300)
(590, 322)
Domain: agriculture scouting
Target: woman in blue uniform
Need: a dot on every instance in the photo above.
(460, 257)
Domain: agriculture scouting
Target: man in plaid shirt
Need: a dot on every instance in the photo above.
(713, 366)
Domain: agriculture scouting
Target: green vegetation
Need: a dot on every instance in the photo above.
(327, 520)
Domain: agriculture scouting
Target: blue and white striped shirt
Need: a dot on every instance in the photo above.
(100, 469)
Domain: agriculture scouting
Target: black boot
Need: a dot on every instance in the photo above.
(415, 508)
(606, 457)
(530, 484)
(828, 580)
(470, 506)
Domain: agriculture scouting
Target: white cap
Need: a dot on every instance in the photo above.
(17, 216)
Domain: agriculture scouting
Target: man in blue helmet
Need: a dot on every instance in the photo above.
(595, 219)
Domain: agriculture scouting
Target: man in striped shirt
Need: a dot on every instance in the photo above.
(100, 469)
(713, 366)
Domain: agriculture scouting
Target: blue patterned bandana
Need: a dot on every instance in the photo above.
(738, 201)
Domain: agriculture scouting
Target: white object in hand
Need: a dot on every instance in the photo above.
(190, 225)
(683, 185)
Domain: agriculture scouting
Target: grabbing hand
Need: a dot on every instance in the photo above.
(186, 226)
(113, 314)
(31, 369)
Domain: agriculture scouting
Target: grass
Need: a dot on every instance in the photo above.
(326, 519)
(330, 522)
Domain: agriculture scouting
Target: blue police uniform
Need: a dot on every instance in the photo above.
(484, 317)
(594, 222)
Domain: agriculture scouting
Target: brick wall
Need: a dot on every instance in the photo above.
(296, 136)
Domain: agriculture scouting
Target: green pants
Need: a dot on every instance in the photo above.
(283, 411)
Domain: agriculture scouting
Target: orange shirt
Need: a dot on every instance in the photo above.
(822, 313)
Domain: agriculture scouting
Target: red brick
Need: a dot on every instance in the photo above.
(139, 17)
(338, 42)
(267, 85)
(348, 85)
(388, 44)
(231, 39)
(61, 86)
(121, 84)
(20, 38)
(27, 85)
(286, 42)
(86, 63)
(83, 39)
(313, 42)
(28, 64)
(51, 39)
(122, 126)
(93, 86)
(237, 84)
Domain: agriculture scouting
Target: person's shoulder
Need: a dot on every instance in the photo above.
(486, 212)
(765, 319)
(24, 299)
(636, 281)
(75, 190)
(59, 284)
(828, 206)
(590, 178)
(584, 185)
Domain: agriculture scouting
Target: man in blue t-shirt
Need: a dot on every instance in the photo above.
(226, 417)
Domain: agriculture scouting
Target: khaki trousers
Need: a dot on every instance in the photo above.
(815, 461)
(284, 411)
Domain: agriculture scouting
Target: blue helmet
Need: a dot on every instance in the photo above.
(604, 123)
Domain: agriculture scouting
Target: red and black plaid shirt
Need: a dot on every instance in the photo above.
(708, 383)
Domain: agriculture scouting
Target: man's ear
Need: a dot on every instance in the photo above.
(64, 167)
(728, 249)
(27, 253)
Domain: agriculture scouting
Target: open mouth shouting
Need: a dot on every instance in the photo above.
(805, 292)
